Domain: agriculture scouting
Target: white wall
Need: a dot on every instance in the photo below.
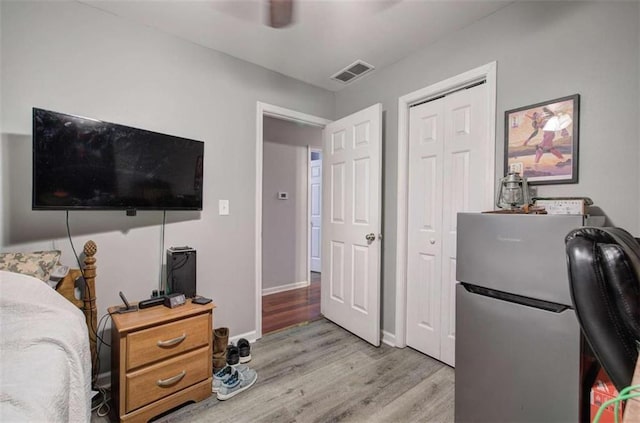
(68, 57)
(544, 50)
(284, 222)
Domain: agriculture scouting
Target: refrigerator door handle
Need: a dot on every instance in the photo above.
(513, 298)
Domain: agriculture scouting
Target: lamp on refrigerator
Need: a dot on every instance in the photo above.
(513, 192)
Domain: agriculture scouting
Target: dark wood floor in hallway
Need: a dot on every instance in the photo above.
(290, 308)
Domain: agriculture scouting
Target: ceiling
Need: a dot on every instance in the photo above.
(326, 36)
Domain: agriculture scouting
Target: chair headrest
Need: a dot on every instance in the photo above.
(604, 275)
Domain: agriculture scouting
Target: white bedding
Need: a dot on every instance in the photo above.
(45, 362)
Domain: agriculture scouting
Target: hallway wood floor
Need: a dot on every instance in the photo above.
(291, 308)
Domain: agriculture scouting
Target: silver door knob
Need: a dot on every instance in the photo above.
(370, 237)
(432, 241)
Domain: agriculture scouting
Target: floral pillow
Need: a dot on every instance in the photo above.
(38, 263)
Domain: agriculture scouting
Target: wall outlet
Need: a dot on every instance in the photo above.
(223, 207)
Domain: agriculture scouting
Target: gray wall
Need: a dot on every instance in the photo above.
(72, 58)
(283, 237)
(69, 57)
(284, 222)
(544, 50)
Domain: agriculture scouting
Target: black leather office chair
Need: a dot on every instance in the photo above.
(604, 278)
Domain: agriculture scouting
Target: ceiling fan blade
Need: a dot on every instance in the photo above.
(280, 13)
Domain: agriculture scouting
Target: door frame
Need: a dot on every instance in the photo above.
(262, 110)
(487, 73)
(310, 150)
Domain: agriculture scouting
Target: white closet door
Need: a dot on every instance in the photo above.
(465, 189)
(447, 174)
(426, 138)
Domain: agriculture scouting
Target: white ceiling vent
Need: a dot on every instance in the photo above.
(353, 71)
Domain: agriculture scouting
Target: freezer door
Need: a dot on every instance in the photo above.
(515, 363)
(521, 254)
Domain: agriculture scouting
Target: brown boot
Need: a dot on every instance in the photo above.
(220, 341)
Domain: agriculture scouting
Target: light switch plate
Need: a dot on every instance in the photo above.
(223, 207)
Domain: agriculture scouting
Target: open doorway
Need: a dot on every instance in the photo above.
(351, 227)
(290, 242)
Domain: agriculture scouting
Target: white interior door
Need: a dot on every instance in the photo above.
(351, 222)
(447, 175)
(315, 193)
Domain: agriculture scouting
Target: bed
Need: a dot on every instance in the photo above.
(47, 341)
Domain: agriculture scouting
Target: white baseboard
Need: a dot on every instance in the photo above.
(249, 336)
(282, 288)
(388, 338)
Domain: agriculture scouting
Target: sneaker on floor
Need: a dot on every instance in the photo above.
(236, 383)
(233, 355)
(223, 374)
(244, 349)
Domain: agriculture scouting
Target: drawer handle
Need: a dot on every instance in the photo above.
(172, 342)
(172, 380)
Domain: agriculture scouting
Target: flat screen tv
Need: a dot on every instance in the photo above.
(82, 163)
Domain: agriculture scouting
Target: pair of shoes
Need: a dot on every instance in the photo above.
(224, 374)
(239, 353)
(238, 381)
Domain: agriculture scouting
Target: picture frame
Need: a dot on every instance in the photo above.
(541, 141)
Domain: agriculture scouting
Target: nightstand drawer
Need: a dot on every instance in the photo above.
(157, 343)
(159, 380)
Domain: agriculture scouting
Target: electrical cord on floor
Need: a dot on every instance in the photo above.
(624, 395)
(102, 408)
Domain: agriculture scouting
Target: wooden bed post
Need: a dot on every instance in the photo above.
(89, 309)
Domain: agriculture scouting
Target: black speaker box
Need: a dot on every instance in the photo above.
(181, 271)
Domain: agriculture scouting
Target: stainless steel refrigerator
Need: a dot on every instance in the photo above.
(517, 337)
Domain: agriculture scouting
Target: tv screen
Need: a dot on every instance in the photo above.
(82, 163)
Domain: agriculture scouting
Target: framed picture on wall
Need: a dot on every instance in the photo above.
(541, 141)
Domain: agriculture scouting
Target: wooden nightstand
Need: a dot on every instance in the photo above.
(160, 358)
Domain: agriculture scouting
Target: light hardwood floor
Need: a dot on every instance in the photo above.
(322, 373)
